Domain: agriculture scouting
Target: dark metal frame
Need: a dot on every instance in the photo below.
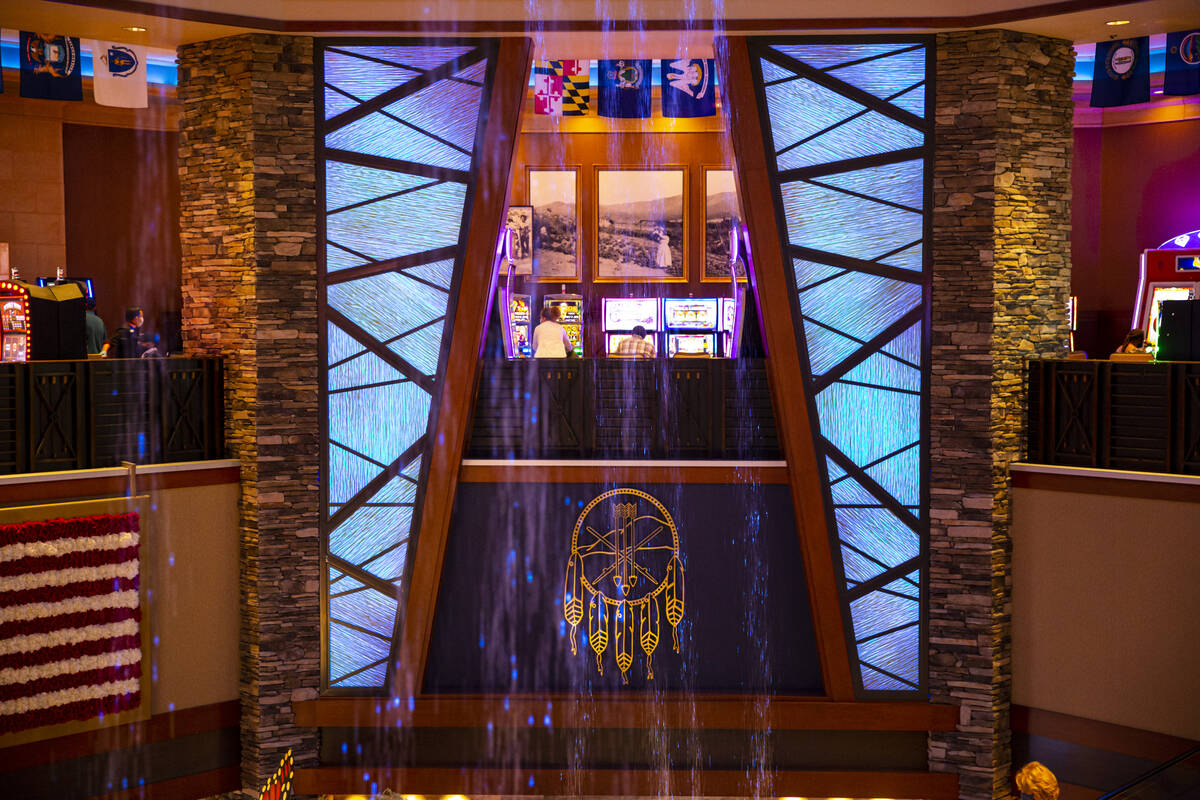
(759, 47)
(483, 50)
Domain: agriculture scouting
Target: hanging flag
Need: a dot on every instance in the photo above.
(576, 86)
(560, 88)
(687, 87)
(1121, 74)
(547, 90)
(50, 67)
(1182, 73)
(625, 88)
(119, 74)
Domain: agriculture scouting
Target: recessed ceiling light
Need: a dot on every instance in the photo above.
(134, 29)
(1117, 22)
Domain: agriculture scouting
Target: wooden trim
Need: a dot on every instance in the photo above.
(189, 787)
(616, 471)
(1134, 742)
(987, 19)
(771, 288)
(112, 486)
(623, 711)
(619, 782)
(457, 390)
(160, 727)
(1183, 491)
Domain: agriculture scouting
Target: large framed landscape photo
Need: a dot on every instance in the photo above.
(640, 225)
(554, 197)
(721, 217)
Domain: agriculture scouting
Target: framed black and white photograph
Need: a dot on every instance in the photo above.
(721, 220)
(640, 233)
(520, 222)
(553, 196)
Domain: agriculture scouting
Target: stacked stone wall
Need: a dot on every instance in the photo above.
(248, 222)
(1001, 245)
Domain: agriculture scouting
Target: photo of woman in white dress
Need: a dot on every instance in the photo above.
(662, 259)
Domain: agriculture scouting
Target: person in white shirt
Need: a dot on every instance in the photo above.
(550, 339)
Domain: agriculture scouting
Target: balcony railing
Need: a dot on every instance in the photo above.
(624, 409)
(64, 415)
(1109, 415)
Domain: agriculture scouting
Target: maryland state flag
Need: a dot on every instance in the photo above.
(1121, 74)
(1182, 73)
(625, 87)
(561, 88)
(50, 67)
(687, 87)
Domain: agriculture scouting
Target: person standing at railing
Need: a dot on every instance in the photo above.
(127, 341)
(93, 328)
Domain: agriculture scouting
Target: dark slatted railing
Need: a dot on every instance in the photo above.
(624, 408)
(60, 415)
(1130, 416)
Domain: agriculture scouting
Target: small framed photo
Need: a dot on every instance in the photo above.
(721, 220)
(640, 232)
(520, 222)
(554, 234)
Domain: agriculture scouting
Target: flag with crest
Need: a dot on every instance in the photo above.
(625, 87)
(1181, 74)
(1121, 75)
(50, 67)
(119, 74)
(688, 88)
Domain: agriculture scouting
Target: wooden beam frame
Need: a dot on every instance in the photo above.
(773, 291)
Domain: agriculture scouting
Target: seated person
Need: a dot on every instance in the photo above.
(127, 341)
(636, 345)
(1135, 342)
(550, 339)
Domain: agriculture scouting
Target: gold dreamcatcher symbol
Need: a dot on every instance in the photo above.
(625, 566)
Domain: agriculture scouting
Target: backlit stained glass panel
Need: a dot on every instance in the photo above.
(401, 122)
(851, 172)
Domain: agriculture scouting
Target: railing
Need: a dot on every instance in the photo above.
(64, 415)
(623, 408)
(1143, 417)
(1177, 779)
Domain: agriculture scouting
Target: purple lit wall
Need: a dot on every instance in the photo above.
(1134, 187)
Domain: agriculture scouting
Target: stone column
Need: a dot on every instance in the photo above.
(248, 235)
(1001, 276)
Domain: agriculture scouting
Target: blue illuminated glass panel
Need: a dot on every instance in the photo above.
(395, 185)
(855, 219)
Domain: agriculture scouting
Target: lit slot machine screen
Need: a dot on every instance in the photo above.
(691, 314)
(12, 315)
(1157, 296)
(15, 347)
(626, 313)
(614, 341)
(519, 309)
(691, 344)
(570, 316)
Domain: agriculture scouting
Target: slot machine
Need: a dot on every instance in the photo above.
(623, 314)
(41, 323)
(518, 321)
(84, 284)
(14, 321)
(691, 327)
(570, 316)
(732, 309)
(1171, 271)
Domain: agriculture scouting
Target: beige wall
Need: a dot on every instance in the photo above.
(1106, 608)
(31, 191)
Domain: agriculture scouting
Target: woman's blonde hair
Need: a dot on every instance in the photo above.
(1034, 779)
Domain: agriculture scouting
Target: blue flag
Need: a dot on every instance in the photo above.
(687, 87)
(50, 67)
(1121, 74)
(625, 88)
(1182, 73)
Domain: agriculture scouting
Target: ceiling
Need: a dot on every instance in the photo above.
(587, 28)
